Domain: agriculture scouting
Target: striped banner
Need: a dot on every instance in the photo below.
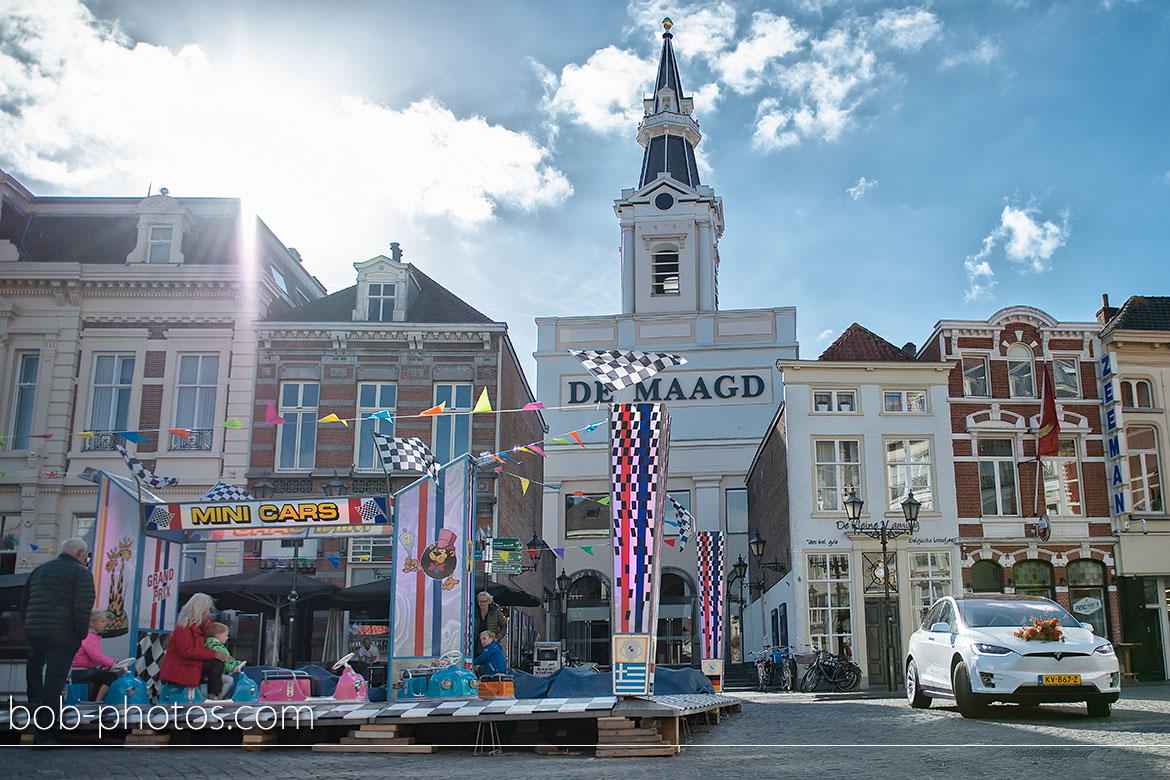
(431, 592)
(158, 604)
(709, 550)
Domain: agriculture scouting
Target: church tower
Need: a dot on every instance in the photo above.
(671, 223)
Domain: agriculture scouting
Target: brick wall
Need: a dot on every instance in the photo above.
(768, 512)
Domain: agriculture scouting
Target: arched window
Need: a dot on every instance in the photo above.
(1136, 394)
(664, 273)
(587, 618)
(986, 577)
(1087, 594)
(1021, 372)
(675, 609)
(1034, 578)
(1145, 475)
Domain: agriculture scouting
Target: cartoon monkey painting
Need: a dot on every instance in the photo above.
(438, 560)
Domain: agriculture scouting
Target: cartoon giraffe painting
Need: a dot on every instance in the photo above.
(116, 559)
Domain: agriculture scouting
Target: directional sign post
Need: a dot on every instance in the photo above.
(506, 556)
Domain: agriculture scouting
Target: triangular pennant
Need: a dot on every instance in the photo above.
(559, 552)
(381, 415)
(85, 434)
(270, 416)
(40, 435)
(232, 423)
(335, 561)
(669, 541)
(483, 404)
(133, 436)
(523, 486)
(182, 433)
(578, 492)
(333, 418)
(221, 560)
(576, 436)
(603, 501)
(537, 450)
(534, 405)
(434, 410)
(560, 440)
(588, 549)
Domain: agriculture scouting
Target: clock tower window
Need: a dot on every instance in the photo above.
(664, 274)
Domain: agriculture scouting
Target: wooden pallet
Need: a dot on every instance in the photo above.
(376, 738)
(623, 737)
(373, 748)
(259, 741)
(147, 738)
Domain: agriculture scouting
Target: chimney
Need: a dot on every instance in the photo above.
(1106, 312)
(910, 350)
(395, 252)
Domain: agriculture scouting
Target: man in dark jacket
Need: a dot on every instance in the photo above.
(56, 605)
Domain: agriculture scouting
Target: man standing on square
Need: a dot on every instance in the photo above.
(56, 605)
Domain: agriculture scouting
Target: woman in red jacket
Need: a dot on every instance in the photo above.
(187, 660)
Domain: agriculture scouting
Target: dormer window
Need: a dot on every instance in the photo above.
(664, 274)
(380, 303)
(160, 244)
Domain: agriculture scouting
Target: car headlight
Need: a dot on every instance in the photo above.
(985, 649)
(1105, 649)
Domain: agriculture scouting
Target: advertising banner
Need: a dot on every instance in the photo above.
(232, 519)
(431, 592)
(709, 551)
(158, 604)
(115, 561)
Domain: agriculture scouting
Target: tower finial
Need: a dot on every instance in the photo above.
(666, 25)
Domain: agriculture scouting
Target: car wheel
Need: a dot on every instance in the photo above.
(1099, 708)
(971, 705)
(918, 700)
(811, 679)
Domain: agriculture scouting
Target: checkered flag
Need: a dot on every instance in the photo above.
(142, 473)
(405, 454)
(160, 518)
(148, 660)
(619, 370)
(370, 511)
(685, 523)
(222, 491)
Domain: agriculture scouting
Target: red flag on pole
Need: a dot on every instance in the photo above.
(1048, 439)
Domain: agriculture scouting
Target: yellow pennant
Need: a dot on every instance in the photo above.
(483, 404)
(333, 418)
(523, 486)
(85, 434)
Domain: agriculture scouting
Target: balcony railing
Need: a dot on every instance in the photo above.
(102, 441)
(197, 439)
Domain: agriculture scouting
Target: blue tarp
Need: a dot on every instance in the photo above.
(576, 683)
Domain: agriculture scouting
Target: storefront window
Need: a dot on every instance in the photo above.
(588, 619)
(986, 577)
(830, 623)
(1087, 594)
(930, 579)
(674, 620)
(1034, 578)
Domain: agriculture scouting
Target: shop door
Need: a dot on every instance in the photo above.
(876, 660)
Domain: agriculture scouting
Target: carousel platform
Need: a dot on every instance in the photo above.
(612, 726)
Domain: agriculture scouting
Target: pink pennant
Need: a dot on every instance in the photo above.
(535, 405)
(271, 417)
(498, 469)
(40, 435)
(537, 450)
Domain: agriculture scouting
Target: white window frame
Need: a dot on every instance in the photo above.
(187, 409)
(935, 584)
(589, 502)
(836, 398)
(908, 467)
(997, 475)
(1130, 387)
(986, 365)
(153, 243)
(1073, 367)
(24, 397)
(363, 441)
(665, 273)
(1060, 472)
(1142, 479)
(296, 418)
(117, 391)
(826, 641)
(727, 509)
(1016, 377)
(903, 401)
(456, 416)
(383, 300)
(838, 465)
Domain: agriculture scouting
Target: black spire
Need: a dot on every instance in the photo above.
(670, 149)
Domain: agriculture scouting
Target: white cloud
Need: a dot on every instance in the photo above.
(825, 334)
(864, 185)
(1026, 241)
(605, 94)
(771, 38)
(983, 54)
(96, 112)
(700, 30)
(908, 29)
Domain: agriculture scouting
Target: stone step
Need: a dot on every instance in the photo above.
(373, 748)
(640, 750)
(377, 740)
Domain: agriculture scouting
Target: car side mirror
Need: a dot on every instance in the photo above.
(1088, 626)
(940, 628)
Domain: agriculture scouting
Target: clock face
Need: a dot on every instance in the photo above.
(664, 201)
(631, 650)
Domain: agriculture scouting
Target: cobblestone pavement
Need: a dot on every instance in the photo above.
(776, 735)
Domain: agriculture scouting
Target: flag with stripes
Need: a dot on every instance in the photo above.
(405, 454)
(141, 472)
(618, 369)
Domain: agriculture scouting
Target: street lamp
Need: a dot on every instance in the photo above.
(536, 548)
(739, 572)
(264, 489)
(335, 487)
(883, 532)
(563, 582)
(756, 547)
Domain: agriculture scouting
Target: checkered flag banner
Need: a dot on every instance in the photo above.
(369, 510)
(222, 491)
(405, 454)
(619, 369)
(709, 554)
(686, 524)
(148, 660)
(160, 518)
(142, 473)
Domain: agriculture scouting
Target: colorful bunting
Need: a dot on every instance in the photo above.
(588, 548)
(270, 416)
(603, 501)
(537, 450)
(333, 418)
(334, 561)
(483, 404)
(182, 433)
(669, 541)
(434, 410)
(233, 424)
(534, 405)
(381, 415)
(577, 436)
(560, 440)
(40, 435)
(559, 552)
(133, 436)
(523, 486)
(85, 434)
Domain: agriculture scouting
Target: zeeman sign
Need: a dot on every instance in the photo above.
(725, 388)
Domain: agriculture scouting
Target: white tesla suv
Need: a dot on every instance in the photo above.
(966, 650)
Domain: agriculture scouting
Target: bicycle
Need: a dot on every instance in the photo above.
(783, 661)
(763, 661)
(842, 674)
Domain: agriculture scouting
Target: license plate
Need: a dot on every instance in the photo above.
(1060, 679)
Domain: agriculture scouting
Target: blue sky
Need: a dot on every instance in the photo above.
(887, 163)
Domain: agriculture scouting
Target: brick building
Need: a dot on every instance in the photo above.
(397, 341)
(126, 314)
(994, 394)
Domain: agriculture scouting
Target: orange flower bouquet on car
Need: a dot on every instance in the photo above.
(1041, 631)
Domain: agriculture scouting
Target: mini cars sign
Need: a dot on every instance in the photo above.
(247, 515)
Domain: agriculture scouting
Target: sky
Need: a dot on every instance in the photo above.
(889, 163)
